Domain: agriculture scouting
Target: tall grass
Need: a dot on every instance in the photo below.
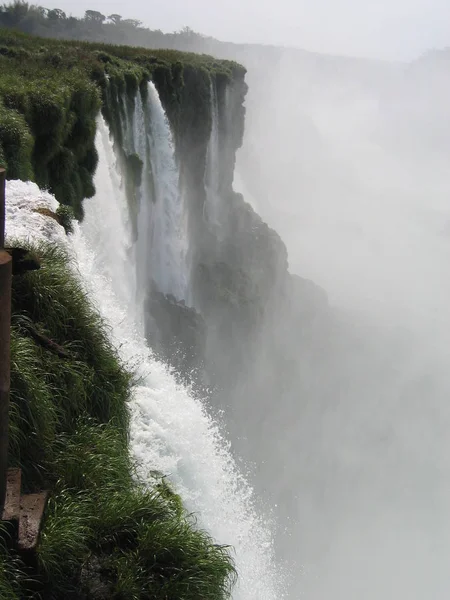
(11, 569)
(48, 392)
(69, 424)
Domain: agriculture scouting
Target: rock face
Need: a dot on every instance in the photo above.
(238, 265)
(178, 332)
(247, 313)
(240, 329)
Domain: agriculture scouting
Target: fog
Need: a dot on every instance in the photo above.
(351, 169)
(347, 439)
(348, 161)
(394, 29)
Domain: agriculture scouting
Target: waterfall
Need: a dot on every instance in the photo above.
(126, 124)
(167, 220)
(161, 246)
(121, 278)
(212, 182)
(144, 249)
(171, 431)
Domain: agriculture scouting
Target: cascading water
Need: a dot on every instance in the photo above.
(126, 122)
(161, 245)
(122, 279)
(211, 210)
(171, 430)
(144, 250)
(167, 219)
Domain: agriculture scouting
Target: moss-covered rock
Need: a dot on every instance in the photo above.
(49, 103)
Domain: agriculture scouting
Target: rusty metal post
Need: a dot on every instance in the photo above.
(2, 207)
(5, 332)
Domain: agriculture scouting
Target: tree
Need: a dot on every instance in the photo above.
(132, 22)
(94, 16)
(188, 32)
(15, 13)
(56, 14)
(115, 18)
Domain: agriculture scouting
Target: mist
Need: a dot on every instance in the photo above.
(399, 29)
(336, 408)
(348, 161)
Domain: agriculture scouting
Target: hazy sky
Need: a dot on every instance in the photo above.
(399, 29)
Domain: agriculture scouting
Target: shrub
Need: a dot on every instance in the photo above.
(65, 217)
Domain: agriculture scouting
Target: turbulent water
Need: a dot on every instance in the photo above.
(171, 430)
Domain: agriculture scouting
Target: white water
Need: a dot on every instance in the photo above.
(212, 181)
(160, 252)
(171, 431)
(122, 279)
(144, 264)
(167, 220)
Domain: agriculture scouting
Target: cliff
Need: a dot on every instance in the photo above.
(51, 92)
(105, 535)
(219, 303)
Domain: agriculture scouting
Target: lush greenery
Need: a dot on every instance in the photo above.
(95, 26)
(105, 535)
(51, 91)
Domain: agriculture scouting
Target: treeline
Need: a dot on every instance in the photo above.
(95, 26)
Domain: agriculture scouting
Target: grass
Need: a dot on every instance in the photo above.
(48, 124)
(48, 392)
(11, 570)
(52, 90)
(65, 216)
(105, 535)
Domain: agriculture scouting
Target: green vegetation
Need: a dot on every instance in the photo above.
(53, 302)
(52, 90)
(105, 535)
(47, 116)
(96, 27)
(65, 216)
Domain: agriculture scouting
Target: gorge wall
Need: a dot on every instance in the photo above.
(207, 278)
(148, 132)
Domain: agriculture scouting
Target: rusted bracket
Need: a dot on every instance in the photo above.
(32, 508)
(23, 512)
